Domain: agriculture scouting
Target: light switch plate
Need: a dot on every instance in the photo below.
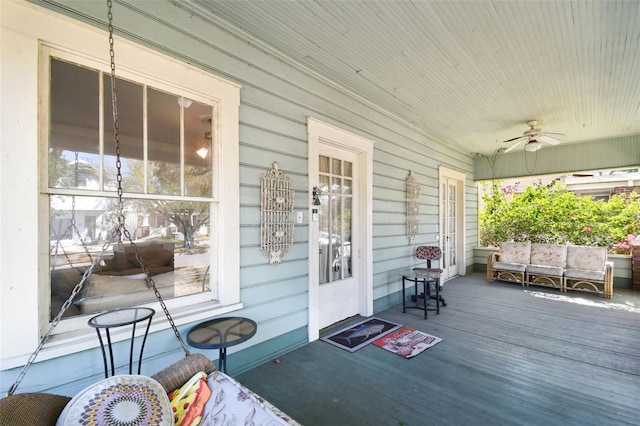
(299, 217)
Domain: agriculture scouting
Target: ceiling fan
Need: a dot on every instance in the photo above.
(533, 136)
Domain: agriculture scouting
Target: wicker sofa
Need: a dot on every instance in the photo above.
(561, 266)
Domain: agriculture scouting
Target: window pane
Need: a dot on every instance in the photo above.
(324, 184)
(164, 143)
(345, 249)
(336, 166)
(336, 187)
(130, 125)
(348, 169)
(347, 185)
(198, 149)
(172, 239)
(323, 164)
(74, 126)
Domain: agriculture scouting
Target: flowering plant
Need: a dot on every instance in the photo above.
(624, 247)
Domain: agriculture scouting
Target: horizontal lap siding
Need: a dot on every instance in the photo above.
(276, 100)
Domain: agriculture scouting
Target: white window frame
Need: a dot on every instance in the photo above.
(25, 289)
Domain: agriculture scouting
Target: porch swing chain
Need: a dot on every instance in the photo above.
(73, 226)
(119, 231)
(121, 219)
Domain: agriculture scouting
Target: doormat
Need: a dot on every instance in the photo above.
(407, 342)
(361, 334)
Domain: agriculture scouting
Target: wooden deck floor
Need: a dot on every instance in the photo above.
(510, 356)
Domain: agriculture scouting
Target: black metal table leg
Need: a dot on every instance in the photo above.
(404, 298)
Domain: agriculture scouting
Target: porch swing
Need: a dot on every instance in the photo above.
(44, 408)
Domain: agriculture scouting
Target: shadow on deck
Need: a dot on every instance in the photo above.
(510, 356)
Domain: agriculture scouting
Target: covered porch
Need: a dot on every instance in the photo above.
(509, 356)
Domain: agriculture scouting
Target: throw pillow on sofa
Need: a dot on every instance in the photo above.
(515, 252)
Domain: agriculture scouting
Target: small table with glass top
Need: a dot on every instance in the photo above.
(120, 318)
(426, 278)
(220, 333)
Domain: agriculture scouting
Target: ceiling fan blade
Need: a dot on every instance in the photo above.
(514, 139)
(548, 139)
(512, 147)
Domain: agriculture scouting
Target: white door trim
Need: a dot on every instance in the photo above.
(321, 132)
(445, 173)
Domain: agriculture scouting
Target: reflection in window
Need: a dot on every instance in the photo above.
(166, 151)
(172, 239)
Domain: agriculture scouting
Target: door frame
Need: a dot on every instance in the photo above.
(460, 178)
(319, 132)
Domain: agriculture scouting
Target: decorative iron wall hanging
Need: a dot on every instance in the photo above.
(413, 192)
(276, 206)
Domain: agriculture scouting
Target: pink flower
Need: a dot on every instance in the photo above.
(586, 229)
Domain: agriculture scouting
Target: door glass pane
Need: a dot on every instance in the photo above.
(323, 164)
(324, 184)
(345, 249)
(336, 187)
(348, 169)
(324, 240)
(335, 221)
(130, 136)
(452, 220)
(335, 240)
(336, 166)
(346, 186)
(164, 143)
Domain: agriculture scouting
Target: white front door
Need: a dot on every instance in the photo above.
(340, 234)
(451, 223)
(338, 241)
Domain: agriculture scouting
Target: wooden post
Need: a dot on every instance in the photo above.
(635, 264)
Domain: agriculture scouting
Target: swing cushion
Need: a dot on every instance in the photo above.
(133, 400)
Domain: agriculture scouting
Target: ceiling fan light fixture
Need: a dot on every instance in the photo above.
(202, 152)
(533, 146)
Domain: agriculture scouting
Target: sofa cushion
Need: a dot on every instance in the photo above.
(549, 254)
(586, 258)
(153, 255)
(515, 252)
(102, 292)
(509, 266)
(552, 271)
(63, 281)
(584, 274)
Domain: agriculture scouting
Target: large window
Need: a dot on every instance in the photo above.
(169, 148)
(165, 184)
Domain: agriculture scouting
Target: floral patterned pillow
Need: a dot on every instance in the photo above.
(515, 252)
(588, 258)
(549, 254)
(233, 404)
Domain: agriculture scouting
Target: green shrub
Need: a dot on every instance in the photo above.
(552, 214)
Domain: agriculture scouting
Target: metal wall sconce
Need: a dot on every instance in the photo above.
(316, 196)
